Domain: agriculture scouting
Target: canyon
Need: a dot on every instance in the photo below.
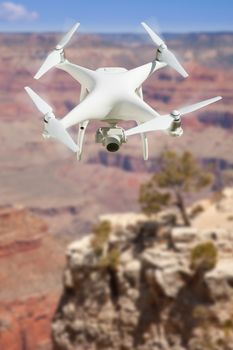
(48, 199)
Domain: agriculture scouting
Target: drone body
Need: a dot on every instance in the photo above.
(111, 95)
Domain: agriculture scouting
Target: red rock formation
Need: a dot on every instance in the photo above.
(26, 324)
(30, 267)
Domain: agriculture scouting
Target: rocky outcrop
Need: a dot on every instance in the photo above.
(139, 289)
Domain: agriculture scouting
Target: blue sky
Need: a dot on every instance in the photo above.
(116, 16)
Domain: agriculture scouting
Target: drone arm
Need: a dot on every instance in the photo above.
(83, 75)
(137, 76)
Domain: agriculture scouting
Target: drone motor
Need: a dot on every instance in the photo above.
(175, 128)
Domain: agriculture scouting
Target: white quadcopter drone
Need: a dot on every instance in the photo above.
(111, 95)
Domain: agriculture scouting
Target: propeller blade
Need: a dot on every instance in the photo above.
(64, 41)
(51, 61)
(157, 124)
(54, 58)
(196, 106)
(56, 130)
(171, 60)
(164, 54)
(53, 126)
(155, 38)
(41, 105)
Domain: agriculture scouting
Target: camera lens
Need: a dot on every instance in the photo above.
(112, 143)
(113, 147)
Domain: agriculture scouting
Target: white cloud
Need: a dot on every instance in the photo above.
(9, 11)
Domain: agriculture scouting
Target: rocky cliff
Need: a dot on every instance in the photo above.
(149, 286)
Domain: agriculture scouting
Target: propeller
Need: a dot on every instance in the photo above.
(165, 122)
(199, 105)
(53, 127)
(155, 124)
(57, 55)
(163, 53)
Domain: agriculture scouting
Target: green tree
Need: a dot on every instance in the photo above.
(179, 174)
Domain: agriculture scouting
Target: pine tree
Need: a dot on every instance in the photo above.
(179, 174)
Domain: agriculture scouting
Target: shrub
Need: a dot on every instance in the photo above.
(111, 259)
(101, 234)
(204, 257)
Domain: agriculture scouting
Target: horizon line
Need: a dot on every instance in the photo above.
(116, 33)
